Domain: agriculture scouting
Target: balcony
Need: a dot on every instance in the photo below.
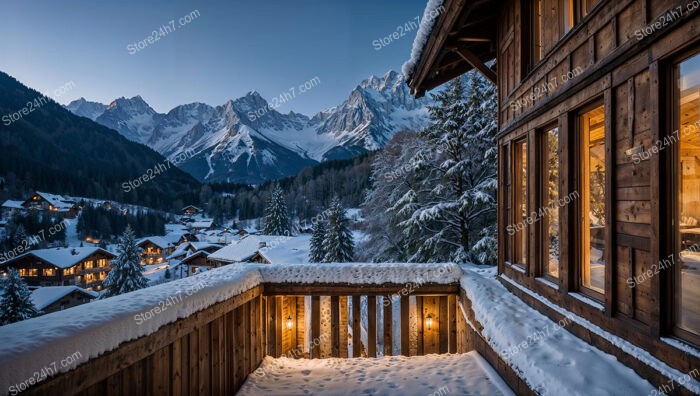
(269, 328)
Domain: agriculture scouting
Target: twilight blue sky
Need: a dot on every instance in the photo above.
(233, 47)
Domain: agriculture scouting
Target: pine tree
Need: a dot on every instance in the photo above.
(276, 217)
(338, 244)
(16, 303)
(127, 272)
(317, 253)
(20, 236)
(452, 209)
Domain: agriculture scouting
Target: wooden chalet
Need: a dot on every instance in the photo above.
(52, 203)
(599, 158)
(85, 267)
(155, 249)
(57, 298)
(190, 210)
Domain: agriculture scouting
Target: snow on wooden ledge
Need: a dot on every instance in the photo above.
(79, 334)
(361, 273)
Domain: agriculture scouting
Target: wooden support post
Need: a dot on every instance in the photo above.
(388, 326)
(335, 326)
(477, 64)
(443, 327)
(315, 327)
(356, 327)
(419, 325)
(452, 321)
(371, 326)
(343, 326)
(279, 306)
(271, 318)
(404, 326)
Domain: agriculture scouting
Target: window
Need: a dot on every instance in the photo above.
(592, 220)
(49, 272)
(575, 11)
(537, 32)
(686, 277)
(520, 202)
(28, 272)
(550, 193)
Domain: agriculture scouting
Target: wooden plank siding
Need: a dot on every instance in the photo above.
(630, 74)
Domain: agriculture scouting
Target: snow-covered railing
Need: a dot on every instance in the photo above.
(208, 332)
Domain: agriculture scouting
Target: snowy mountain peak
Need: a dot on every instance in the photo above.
(247, 140)
(84, 108)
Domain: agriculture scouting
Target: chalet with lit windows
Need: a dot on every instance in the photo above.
(85, 267)
(52, 203)
(599, 104)
(155, 249)
(191, 210)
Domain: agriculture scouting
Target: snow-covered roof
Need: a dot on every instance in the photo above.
(63, 257)
(187, 247)
(195, 255)
(159, 241)
(424, 30)
(9, 204)
(173, 237)
(57, 201)
(192, 207)
(202, 224)
(45, 296)
(243, 249)
(294, 250)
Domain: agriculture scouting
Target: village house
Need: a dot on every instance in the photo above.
(155, 249)
(11, 208)
(85, 267)
(599, 157)
(57, 298)
(191, 210)
(53, 203)
(242, 250)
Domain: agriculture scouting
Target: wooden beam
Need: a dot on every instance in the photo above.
(473, 60)
(404, 326)
(371, 326)
(315, 327)
(388, 339)
(356, 327)
(335, 326)
(474, 39)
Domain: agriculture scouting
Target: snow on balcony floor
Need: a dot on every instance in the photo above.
(448, 374)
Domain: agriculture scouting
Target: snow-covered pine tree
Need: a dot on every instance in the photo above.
(338, 244)
(16, 304)
(276, 216)
(20, 236)
(317, 254)
(454, 204)
(127, 272)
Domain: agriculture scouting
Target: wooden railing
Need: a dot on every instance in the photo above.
(435, 315)
(213, 350)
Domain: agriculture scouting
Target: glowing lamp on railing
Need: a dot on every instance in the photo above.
(429, 322)
(289, 323)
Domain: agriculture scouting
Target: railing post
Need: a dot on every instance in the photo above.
(405, 326)
(335, 326)
(388, 326)
(356, 327)
(371, 326)
(315, 327)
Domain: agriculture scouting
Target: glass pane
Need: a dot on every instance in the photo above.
(689, 197)
(552, 194)
(593, 203)
(520, 202)
(569, 12)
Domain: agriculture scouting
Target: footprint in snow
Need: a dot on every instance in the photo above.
(306, 372)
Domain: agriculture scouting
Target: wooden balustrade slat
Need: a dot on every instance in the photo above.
(335, 326)
(204, 359)
(314, 352)
(279, 305)
(343, 326)
(405, 341)
(443, 327)
(356, 327)
(452, 320)
(419, 325)
(371, 326)
(239, 351)
(388, 326)
(194, 362)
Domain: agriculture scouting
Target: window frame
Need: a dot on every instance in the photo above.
(671, 245)
(515, 187)
(542, 196)
(578, 250)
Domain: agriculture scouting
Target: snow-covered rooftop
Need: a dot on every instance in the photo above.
(293, 250)
(9, 204)
(159, 241)
(56, 200)
(45, 296)
(243, 249)
(424, 30)
(63, 257)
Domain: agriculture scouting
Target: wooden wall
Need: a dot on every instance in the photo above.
(628, 75)
(210, 352)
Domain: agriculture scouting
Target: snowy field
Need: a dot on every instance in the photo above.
(465, 374)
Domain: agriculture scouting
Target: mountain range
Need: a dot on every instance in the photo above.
(247, 141)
